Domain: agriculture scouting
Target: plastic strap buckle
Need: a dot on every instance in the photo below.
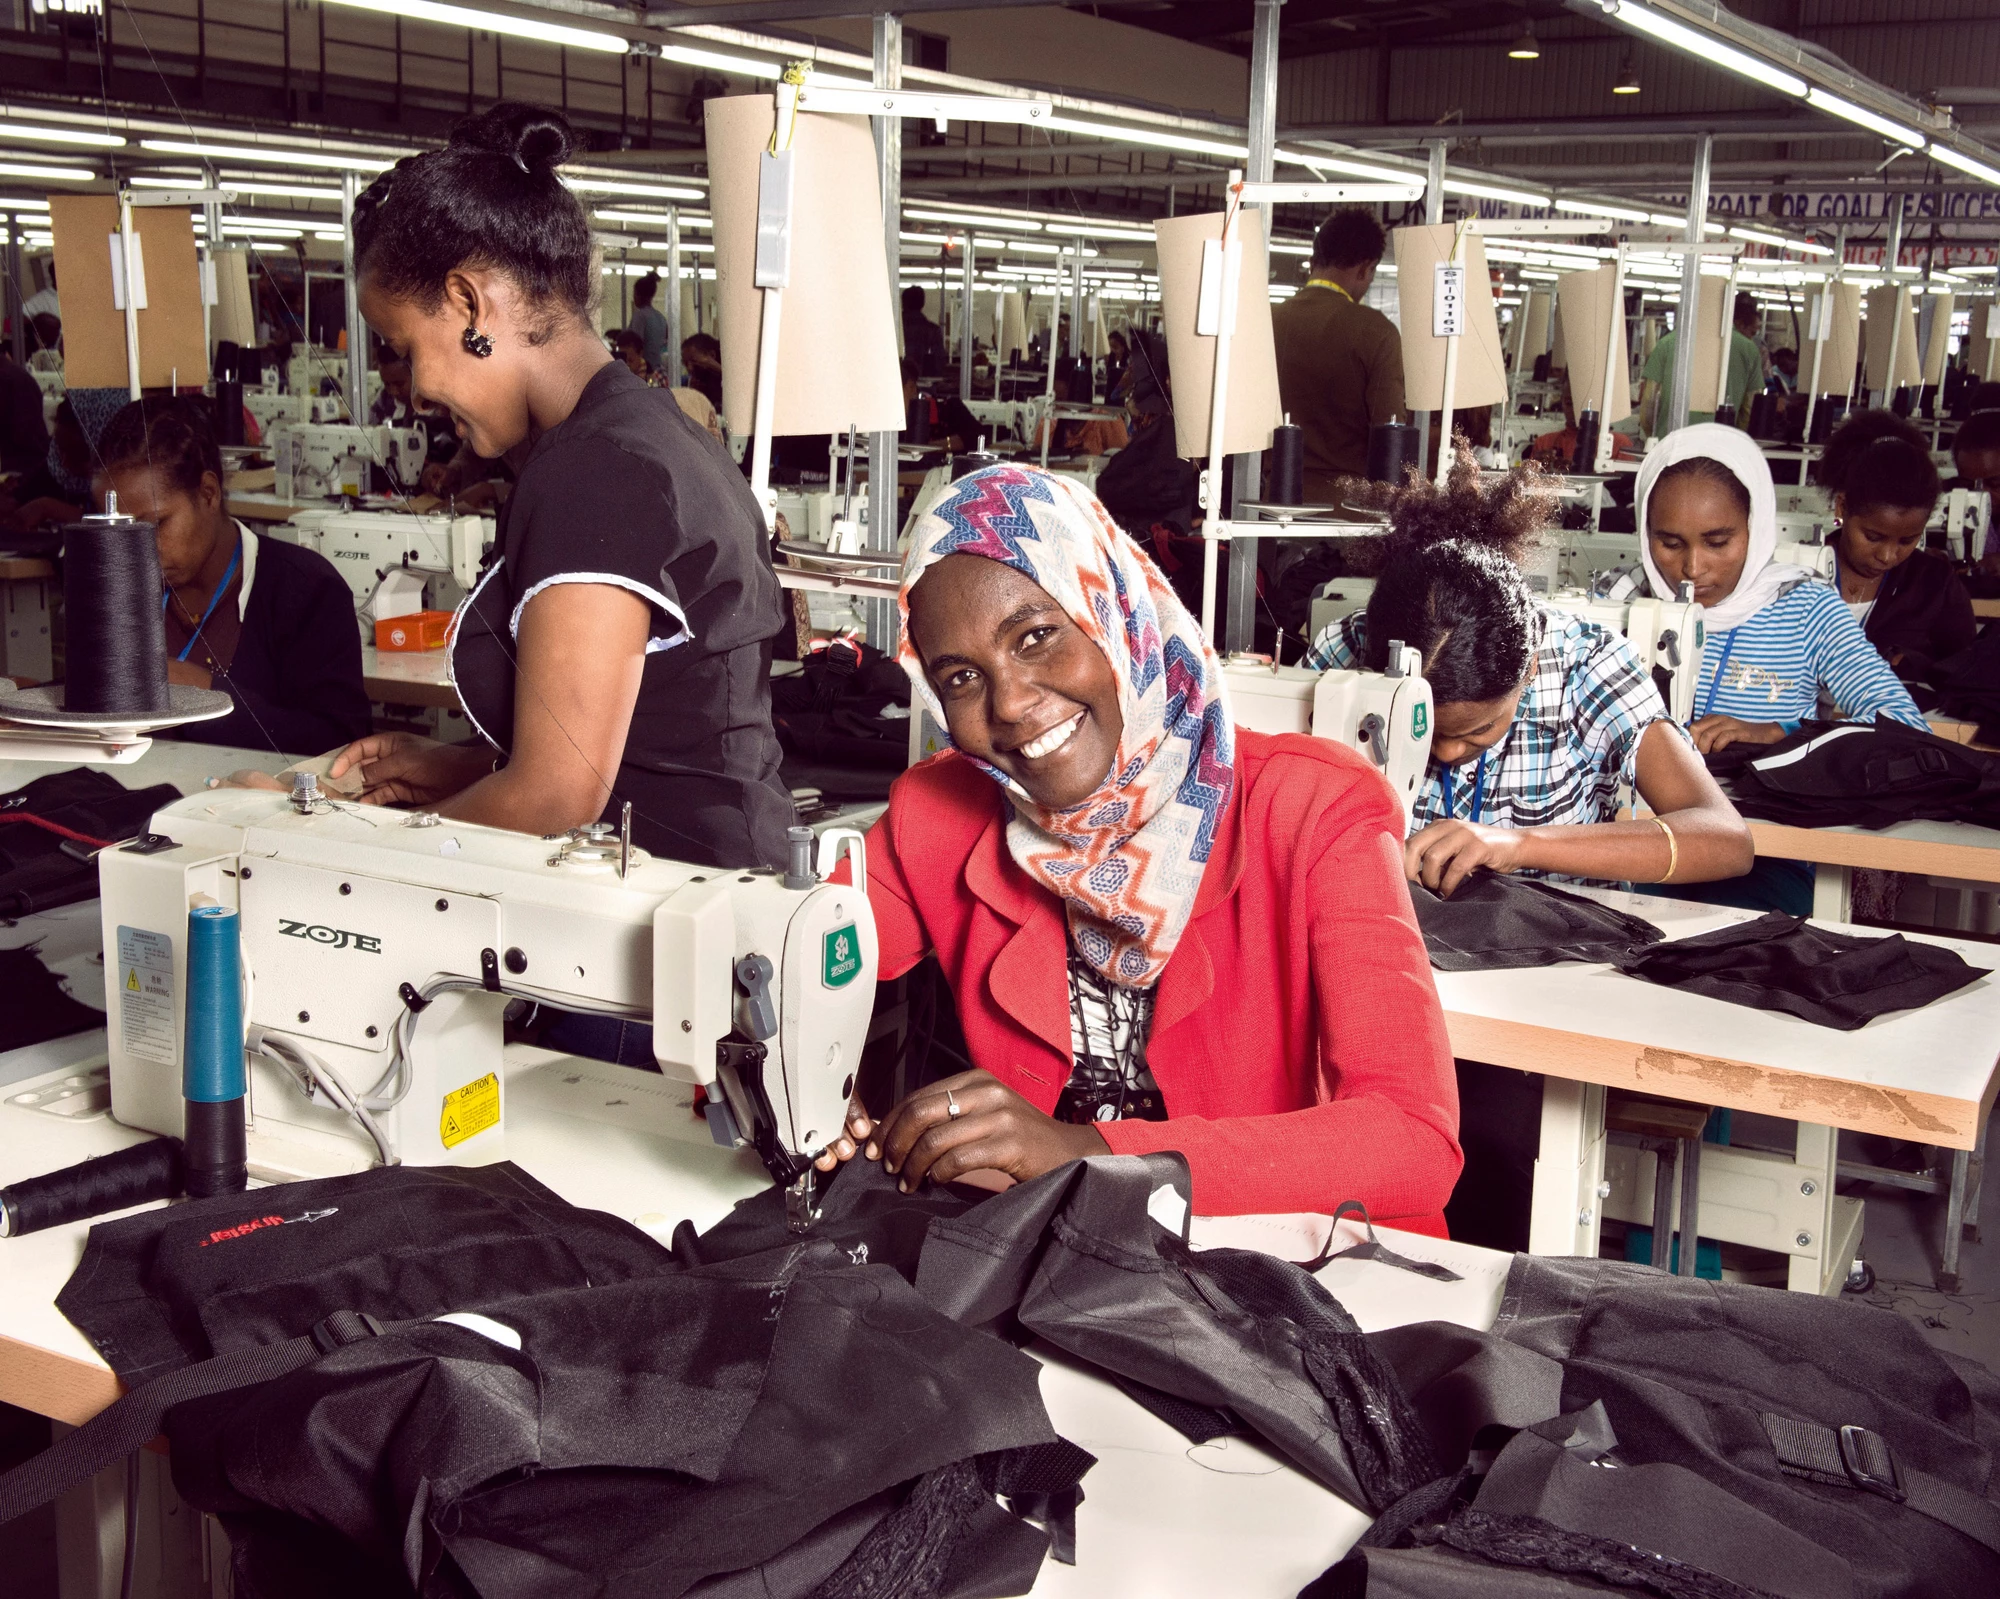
(1870, 1463)
(345, 1327)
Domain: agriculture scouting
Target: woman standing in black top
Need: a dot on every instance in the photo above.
(1911, 604)
(619, 648)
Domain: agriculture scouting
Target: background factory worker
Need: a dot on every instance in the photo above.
(1540, 715)
(1910, 604)
(1746, 371)
(649, 322)
(1161, 931)
(267, 622)
(618, 649)
(1778, 637)
(1340, 363)
(1975, 452)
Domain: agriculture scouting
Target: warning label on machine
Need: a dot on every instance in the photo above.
(146, 995)
(469, 1110)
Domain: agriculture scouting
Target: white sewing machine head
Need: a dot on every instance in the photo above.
(1385, 715)
(314, 460)
(389, 558)
(1668, 636)
(382, 949)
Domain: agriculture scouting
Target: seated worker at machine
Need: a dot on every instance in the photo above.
(1910, 604)
(1162, 932)
(619, 647)
(1540, 715)
(1975, 452)
(1078, 435)
(1778, 637)
(269, 623)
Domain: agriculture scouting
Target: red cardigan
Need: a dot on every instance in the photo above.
(1297, 1038)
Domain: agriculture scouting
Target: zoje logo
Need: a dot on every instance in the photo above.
(332, 937)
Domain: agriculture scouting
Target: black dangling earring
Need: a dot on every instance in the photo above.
(477, 343)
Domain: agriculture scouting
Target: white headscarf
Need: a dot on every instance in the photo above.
(1762, 580)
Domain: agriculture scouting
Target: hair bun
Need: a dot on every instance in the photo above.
(534, 138)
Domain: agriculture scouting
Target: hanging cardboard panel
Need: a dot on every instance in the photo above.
(235, 314)
(1593, 318)
(1843, 340)
(1482, 375)
(1706, 383)
(838, 365)
(1982, 343)
(1253, 407)
(1887, 307)
(1940, 337)
(170, 324)
(1013, 325)
(1535, 332)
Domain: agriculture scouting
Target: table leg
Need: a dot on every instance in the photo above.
(1690, 1181)
(1815, 1162)
(182, 1553)
(1833, 899)
(1954, 1221)
(1569, 1170)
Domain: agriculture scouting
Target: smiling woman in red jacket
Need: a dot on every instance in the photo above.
(1161, 932)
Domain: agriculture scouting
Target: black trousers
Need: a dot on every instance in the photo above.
(1500, 1130)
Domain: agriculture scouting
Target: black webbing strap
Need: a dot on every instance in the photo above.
(134, 1420)
(1855, 1457)
(1372, 1248)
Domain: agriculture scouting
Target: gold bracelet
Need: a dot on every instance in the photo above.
(1673, 851)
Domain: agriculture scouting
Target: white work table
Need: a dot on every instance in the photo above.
(1926, 849)
(1160, 1516)
(1926, 1075)
(408, 677)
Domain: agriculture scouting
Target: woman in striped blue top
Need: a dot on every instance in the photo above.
(1777, 635)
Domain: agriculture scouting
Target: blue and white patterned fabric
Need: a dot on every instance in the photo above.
(1772, 667)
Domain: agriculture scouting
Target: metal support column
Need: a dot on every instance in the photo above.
(882, 484)
(15, 298)
(965, 340)
(675, 332)
(1687, 324)
(1891, 259)
(357, 333)
(1433, 215)
(211, 213)
(1076, 306)
(1239, 619)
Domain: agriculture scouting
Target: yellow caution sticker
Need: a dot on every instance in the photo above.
(470, 1110)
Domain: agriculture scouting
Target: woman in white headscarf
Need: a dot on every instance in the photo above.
(1777, 636)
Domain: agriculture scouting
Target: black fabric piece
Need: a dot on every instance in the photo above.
(1967, 684)
(38, 1007)
(1784, 963)
(1855, 775)
(1525, 1541)
(36, 872)
(1199, 1424)
(831, 710)
(1496, 922)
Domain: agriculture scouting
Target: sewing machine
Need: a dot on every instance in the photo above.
(1964, 516)
(1385, 715)
(382, 949)
(317, 460)
(1668, 636)
(394, 561)
(269, 408)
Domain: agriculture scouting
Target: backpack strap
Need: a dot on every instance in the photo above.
(134, 1420)
(1855, 1457)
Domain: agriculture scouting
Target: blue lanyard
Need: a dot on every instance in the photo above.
(1715, 683)
(213, 600)
(1478, 788)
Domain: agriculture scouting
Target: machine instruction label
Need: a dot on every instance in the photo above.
(1447, 301)
(146, 995)
(469, 1111)
(841, 951)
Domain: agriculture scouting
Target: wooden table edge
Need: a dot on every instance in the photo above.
(1715, 1080)
(1823, 846)
(54, 1385)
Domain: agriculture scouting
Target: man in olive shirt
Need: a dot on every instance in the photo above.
(1746, 371)
(1340, 363)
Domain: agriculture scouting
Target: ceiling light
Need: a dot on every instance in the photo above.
(1494, 191)
(1833, 105)
(23, 205)
(1154, 136)
(17, 169)
(338, 161)
(1021, 225)
(577, 178)
(1706, 46)
(1320, 165)
(27, 130)
(637, 219)
(1525, 48)
(299, 189)
(1097, 230)
(1965, 163)
(1776, 241)
(1628, 78)
(1539, 277)
(746, 66)
(1594, 208)
(497, 22)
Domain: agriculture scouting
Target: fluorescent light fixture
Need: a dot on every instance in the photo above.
(497, 22)
(23, 205)
(1593, 208)
(582, 179)
(18, 169)
(1322, 164)
(84, 136)
(300, 190)
(1966, 164)
(1158, 137)
(688, 246)
(1833, 105)
(1494, 191)
(1666, 219)
(338, 161)
(1776, 241)
(270, 230)
(324, 235)
(1539, 277)
(637, 219)
(1280, 247)
(971, 219)
(1706, 46)
(1098, 230)
(746, 66)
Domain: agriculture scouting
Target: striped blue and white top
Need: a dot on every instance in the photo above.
(1772, 667)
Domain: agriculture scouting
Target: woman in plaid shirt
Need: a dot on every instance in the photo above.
(1540, 716)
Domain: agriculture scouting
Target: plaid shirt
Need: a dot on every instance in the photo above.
(1573, 743)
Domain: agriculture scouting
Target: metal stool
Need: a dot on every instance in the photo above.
(1671, 1129)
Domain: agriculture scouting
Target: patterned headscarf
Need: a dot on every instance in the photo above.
(1127, 862)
